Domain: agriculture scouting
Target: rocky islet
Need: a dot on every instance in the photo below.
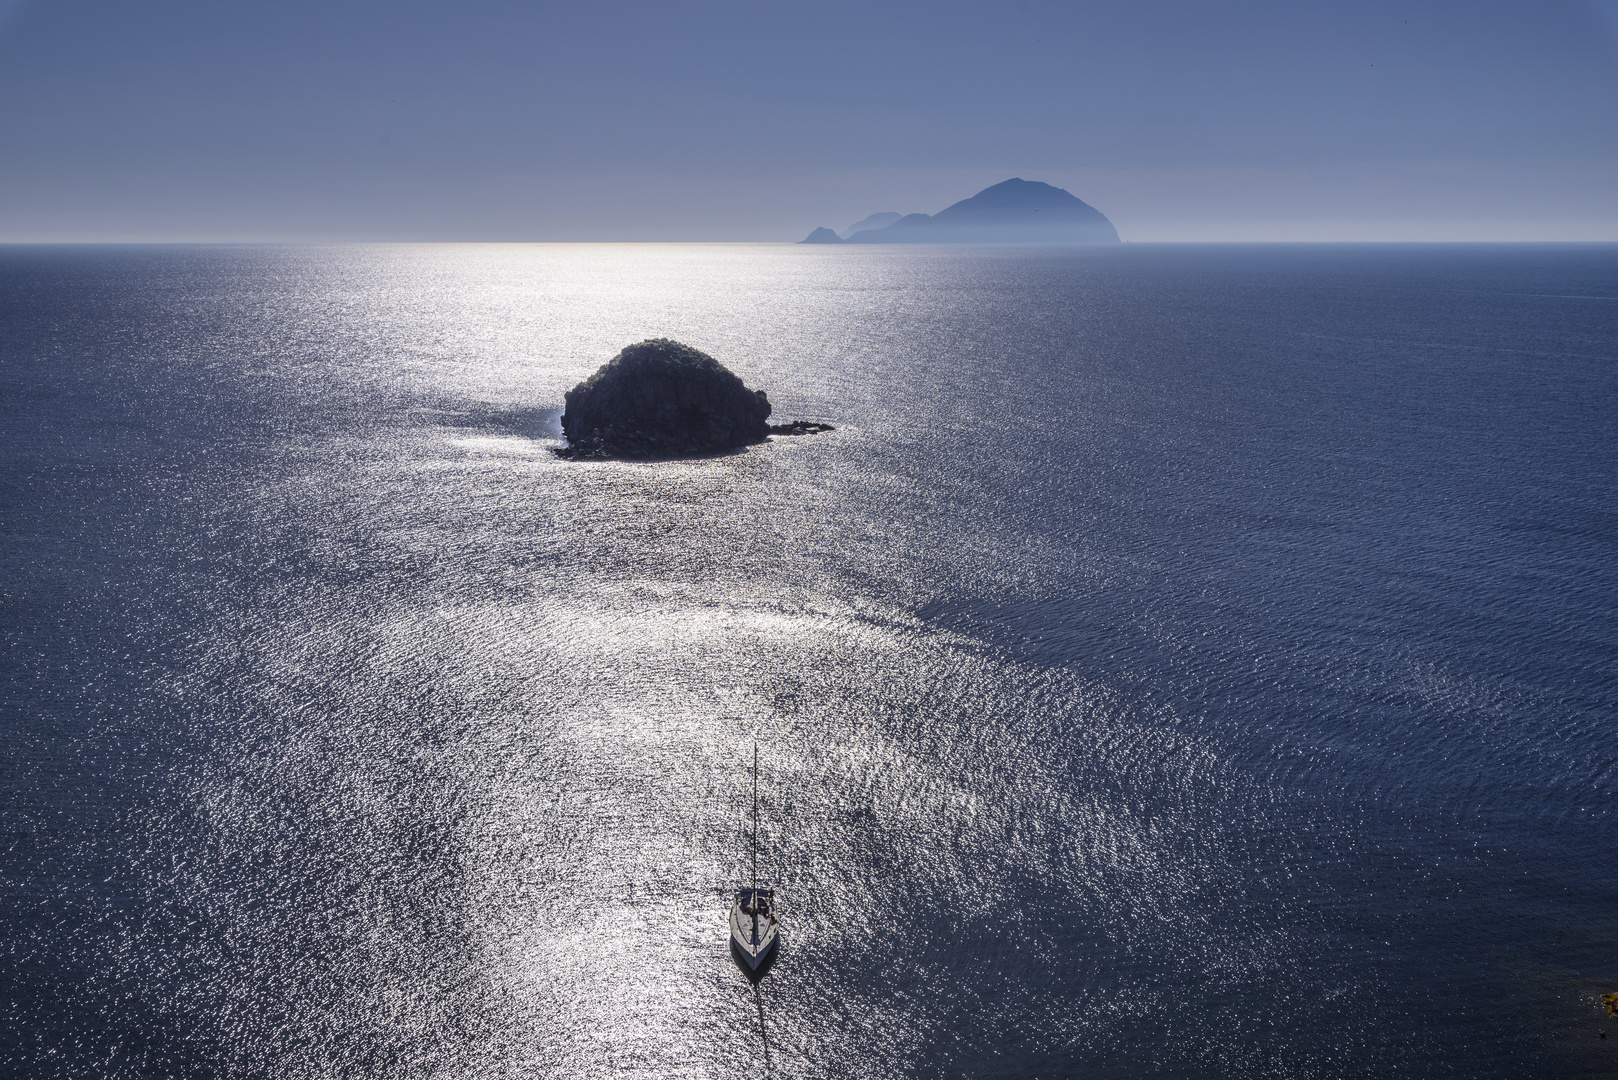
(664, 399)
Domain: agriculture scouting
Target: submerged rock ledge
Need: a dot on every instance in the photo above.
(664, 399)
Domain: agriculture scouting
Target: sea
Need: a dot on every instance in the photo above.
(1179, 661)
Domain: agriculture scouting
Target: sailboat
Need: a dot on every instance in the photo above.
(753, 929)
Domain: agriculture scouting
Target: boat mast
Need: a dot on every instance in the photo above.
(755, 823)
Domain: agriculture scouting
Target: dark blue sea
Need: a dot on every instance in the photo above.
(1179, 662)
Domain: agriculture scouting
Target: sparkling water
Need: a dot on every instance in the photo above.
(1178, 662)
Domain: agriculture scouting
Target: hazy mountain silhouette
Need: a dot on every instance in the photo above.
(875, 221)
(1015, 212)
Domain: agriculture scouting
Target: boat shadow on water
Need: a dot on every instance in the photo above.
(755, 976)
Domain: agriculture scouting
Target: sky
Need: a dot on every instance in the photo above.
(180, 120)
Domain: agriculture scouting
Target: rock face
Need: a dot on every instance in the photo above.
(800, 427)
(662, 399)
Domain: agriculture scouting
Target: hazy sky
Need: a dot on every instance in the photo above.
(174, 119)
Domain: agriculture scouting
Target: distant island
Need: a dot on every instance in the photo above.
(875, 221)
(1015, 212)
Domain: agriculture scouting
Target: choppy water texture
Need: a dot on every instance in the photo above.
(1179, 662)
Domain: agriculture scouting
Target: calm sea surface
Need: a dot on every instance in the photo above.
(1179, 662)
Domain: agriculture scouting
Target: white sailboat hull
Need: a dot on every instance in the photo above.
(753, 930)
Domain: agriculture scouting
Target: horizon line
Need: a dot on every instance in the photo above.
(331, 242)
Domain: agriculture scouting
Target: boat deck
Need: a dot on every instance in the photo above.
(752, 922)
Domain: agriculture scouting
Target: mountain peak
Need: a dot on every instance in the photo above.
(822, 235)
(1011, 212)
(875, 221)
